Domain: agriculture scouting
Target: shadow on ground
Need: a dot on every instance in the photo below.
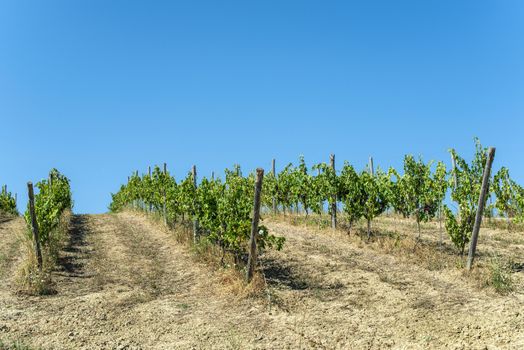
(70, 263)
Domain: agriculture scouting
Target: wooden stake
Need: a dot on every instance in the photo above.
(273, 170)
(321, 202)
(150, 178)
(34, 225)
(252, 259)
(195, 221)
(164, 207)
(140, 199)
(334, 198)
(480, 209)
(372, 173)
(454, 168)
(440, 224)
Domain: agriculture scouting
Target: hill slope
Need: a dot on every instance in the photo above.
(125, 283)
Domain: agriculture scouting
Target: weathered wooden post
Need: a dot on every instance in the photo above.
(252, 259)
(454, 169)
(136, 200)
(150, 178)
(372, 173)
(195, 221)
(334, 198)
(164, 206)
(273, 171)
(34, 225)
(480, 209)
(321, 202)
(440, 224)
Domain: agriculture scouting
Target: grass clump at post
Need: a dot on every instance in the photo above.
(52, 211)
(499, 276)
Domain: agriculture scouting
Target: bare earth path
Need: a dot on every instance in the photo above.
(124, 283)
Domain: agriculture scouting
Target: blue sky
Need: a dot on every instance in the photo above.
(98, 89)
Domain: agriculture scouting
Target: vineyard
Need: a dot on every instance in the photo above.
(341, 258)
(221, 210)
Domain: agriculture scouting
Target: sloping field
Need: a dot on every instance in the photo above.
(125, 283)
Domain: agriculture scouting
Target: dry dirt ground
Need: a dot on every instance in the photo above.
(125, 283)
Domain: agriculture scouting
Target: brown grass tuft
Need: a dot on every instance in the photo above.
(29, 278)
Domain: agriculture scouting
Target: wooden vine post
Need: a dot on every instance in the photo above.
(480, 208)
(372, 173)
(455, 176)
(454, 169)
(334, 198)
(273, 171)
(137, 201)
(195, 221)
(164, 206)
(150, 178)
(252, 259)
(34, 225)
(321, 202)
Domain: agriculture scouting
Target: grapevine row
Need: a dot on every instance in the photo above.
(222, 209)
(219, 210)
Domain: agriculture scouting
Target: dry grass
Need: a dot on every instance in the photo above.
(233, 283)
(397, 236)
(29, 278)
(495, 273)
(503, 224)
(230, 273)
(394, 236)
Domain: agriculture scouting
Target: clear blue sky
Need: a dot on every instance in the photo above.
(98, 89)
